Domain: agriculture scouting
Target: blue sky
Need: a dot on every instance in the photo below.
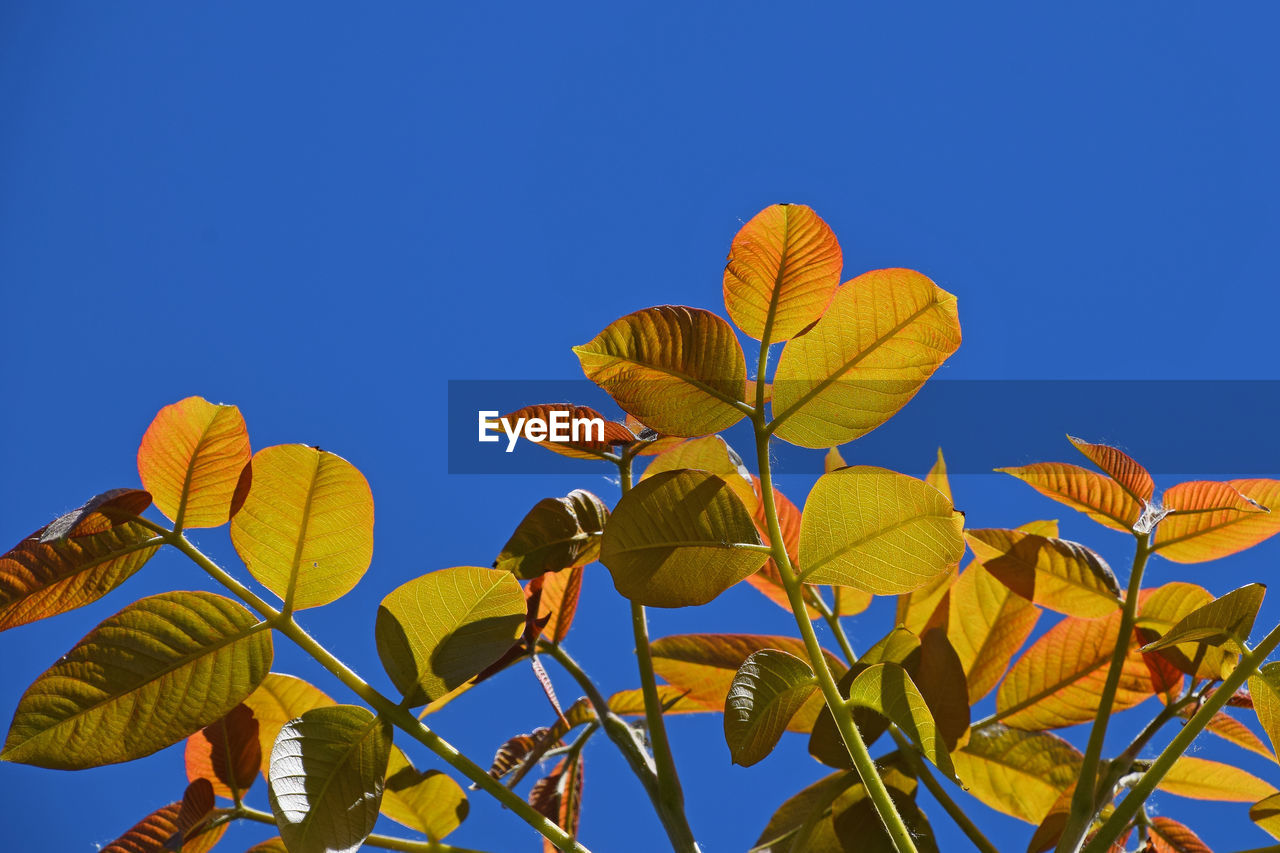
(322, 214)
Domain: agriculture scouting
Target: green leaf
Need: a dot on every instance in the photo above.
(767, 691)
(792, 826)
(883, 335)
(1225, 621)
(859, 827)
(1019, 773)
(679, 370)
(437, 631)
(71, 562)
(878, 531)
(425, 800)
(179, 661)
(1054, 573)
(1264, 687)
(887, 689)
(679, 539)
(305, 528)
(558, 533)
(326, 779)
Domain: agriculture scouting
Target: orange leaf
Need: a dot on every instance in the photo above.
(769, 579)
(1210, 520)
(279, 699)
(1119, 466)
(655, 443)
(1230, 729)
(177, 826)
(1169, 836)
(191, 458)
(226, 753)
(558, 796)
(784, 265)
(558, 602)
(590, 446)
(1101, 498)
(674, 700)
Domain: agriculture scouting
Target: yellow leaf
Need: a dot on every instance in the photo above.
(1264, 687)
(1211, 520)
(783, 267)
(1054, 573)
(1201, 779)
(713, 455)
(279, 699)
(425, 800)
(1266, 814)
(1019, 773)
(1101, 498)
(883, 335)
(1161, 608)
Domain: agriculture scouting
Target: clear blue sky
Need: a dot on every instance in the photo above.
(323, 212)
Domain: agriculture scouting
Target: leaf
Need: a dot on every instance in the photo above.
(703, 666)
(674, 700)
(1230, 729)
(226, 753)
(442, 628)
(271, 845)
(878, 531)
(887, 689)
(768, 580)
(101, 512)
(1264, 687)
(177, 826)
(179, 661)
(279, 699)
(590, 444)
(833, 461)
(1161, 608)
(557, 601)
(1200, 779)
(883, 335)
(326, 778)
(713, 455)
(190, 461)
(558, 533)
(858, 824)
(1019, 773)
(677, 540)
(916, 608)
(424, 800)
(1212, 520)
(1054, 573)
(305, 529)
(679, 370)
(1101, 498)
(988, 622)
(1169, 836)
(1058, 681)
(558, 797)
(1223, 621)
(784, 265)
(768, 689)
(43, 576)
(1119, 466)
(791, 826)
(1266, 814)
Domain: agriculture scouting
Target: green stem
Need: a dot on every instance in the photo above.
(908, 752)
(853, 741)
(396, 714)
(670, 796)
(1084, 802)
(833, 622)
(1138, 794)
(386, 842)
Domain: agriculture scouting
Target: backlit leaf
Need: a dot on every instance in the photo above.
(887, 689)
(43, 576)
(833, 461)
(1054, 573)
(1211, 520)
(326, 779)
(859, 827)
(1017, 772)
(557, 601)
(424, 800)
(179, 660)
(792, 826)
(1266, 814)
(768, 580)
(1161, 608)
(1058, 681)
(1119, 466)
(438, 630)
(703, 667)
(305, 530)
(679, 370)
(271, 845)
(768, 689)
(1169, 836)
(1201, 779)
(711, 454)
(1223, 621)
(558, 796)
(589, 443)
(101, 512)
(1264, 687)
(673, 699)
(179, 826)
(677, 540)
(784, 265)
(1097, 496)
(1230, 729)
(878, 531)
(884, 333)
(227, 753)
(191, 458)
(279, 699)
(558, 533)
(917, 607)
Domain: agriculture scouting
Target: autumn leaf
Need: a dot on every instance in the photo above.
(1210, 520)
(424, 800)
(1097, 496)
(713, 455)
(277, 700)
(179, 826)
(227, 753)
(1020, 773)
(558, 533)
(1054, 573)
(589, 444)
(558, 594)
(1201, 779)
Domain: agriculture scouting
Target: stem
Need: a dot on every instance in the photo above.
(1130, 805)
(833, 622)
(393, 712)
(670, 802)
(1084, 802)
(386, 842)
(908, 752)
(853, 741)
